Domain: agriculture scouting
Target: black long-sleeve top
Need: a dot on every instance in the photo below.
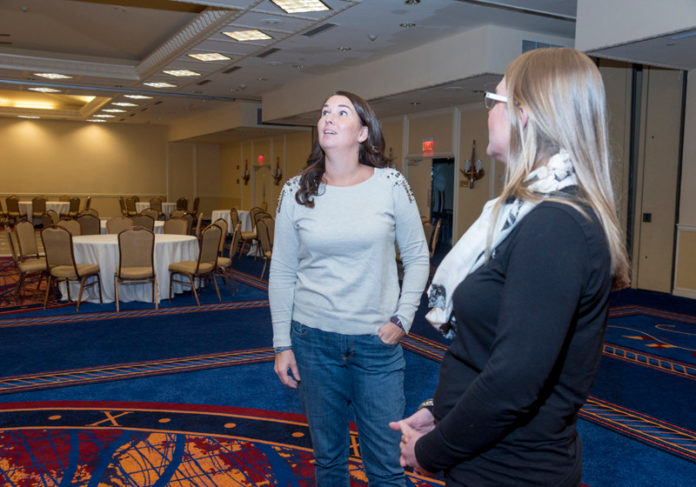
(529, 337)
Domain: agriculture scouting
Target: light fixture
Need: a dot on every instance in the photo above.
(473, 168)
(412, 2)
(44, 89)
(31, 117)
(96, 120)
(181, 72)
(296, 6)
(407, 25)
(343, 48)
(103, 115)
(248, 35)
(209, 56)
(138, 97)
(113, 110)
(159, 84)
(53, 75)
(124, 104)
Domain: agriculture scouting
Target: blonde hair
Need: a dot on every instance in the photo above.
(562, 93)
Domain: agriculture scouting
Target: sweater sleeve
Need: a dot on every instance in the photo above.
(284, 264)
(543, 284)
(413, 249)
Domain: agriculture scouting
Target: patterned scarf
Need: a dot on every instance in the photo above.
(469, 253)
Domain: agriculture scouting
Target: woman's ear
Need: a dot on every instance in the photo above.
(362, 136)
(523, 115)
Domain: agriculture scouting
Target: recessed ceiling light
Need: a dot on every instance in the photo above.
(44, 89)
(31, 117)
(412, 2)
(160, 84)
(113, 110)
(296, 6)
(248, 35)
(53, 75)
(96, 120)
(181, 72)
(407, 25)
(209, 56)
(124, 104)
(104, 115)
(138, 97)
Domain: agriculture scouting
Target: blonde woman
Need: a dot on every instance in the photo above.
(525, 291)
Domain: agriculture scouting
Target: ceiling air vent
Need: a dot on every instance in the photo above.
(528, 45)
(268, 52)
(232, 69)
(317, 30)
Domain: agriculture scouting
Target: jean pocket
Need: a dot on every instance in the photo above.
(385, 344)
(298, 328)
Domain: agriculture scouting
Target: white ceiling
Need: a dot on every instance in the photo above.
(112, 47)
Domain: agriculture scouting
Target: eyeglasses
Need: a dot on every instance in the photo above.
(490, 99)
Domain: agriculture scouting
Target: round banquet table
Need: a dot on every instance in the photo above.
(167, 207)
(103, 250)
(60, 207)
(159, 225)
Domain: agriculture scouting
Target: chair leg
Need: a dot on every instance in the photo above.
(79, 296)
(217, 289)
(19, 285)
(171, 281)
(101, 301)
(155, 292)
(263, 271)
(193, 288)
(48, 289)
(116, 292)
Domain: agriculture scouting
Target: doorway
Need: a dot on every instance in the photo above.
(442, 198)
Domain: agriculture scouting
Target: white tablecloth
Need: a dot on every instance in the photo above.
(167, 207)
(103, 250)
(26, 207)
(159, 225)
(244, 219)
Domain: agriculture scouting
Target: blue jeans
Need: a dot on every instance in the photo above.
(339, 371)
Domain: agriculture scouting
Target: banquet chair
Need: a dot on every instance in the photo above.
(26, 266)
(89, 224)
(203, 267)
(131, 210)
(117, 224)
(4, 218)
(136, 198)
(89, 211)
(247, 238)
(72, 226)
(122, 205)
(224, 264)
(198, 225)
(74, 207)
(234, 217)
(57, 242)
(182, 203)
(38, 206)
(151, 213)
(26, 240)
(88, 203)
(175, 226)
(145, 221)
(156, 205)
(12, 203)
(265, 243)
(136, 261)
(194, 210)
(189, 221)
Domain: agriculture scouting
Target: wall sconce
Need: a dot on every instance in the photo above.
(245, 175)
(473, 168)
(276, 173)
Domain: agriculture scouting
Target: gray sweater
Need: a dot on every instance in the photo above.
(334, 265)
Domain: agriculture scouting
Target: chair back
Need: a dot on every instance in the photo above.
(236, 238)
(177, 214)
(89, 211)
(253, 212)
(222, 223)
(118, 223)
(196, 202)
(57, 242)
(145, 221)
(136, 198)
(130, 206)
(46, 220)
(88, 203)
(14, 245)
(175, 226)
(12, 203)
(122, 204)
(136, 248)
(152, 213)
(270, 225)
(38, 205)
(189, 220)
(234, 217)
(72, 226)
(26, 240)
(89, 224)
(156, 204)
(55, 218)
(210, 243)
(263, 235)
(74, 207)
(182, 203)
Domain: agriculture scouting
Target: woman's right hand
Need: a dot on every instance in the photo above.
(284, 362)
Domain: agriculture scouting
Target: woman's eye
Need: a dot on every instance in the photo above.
(343, 113)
